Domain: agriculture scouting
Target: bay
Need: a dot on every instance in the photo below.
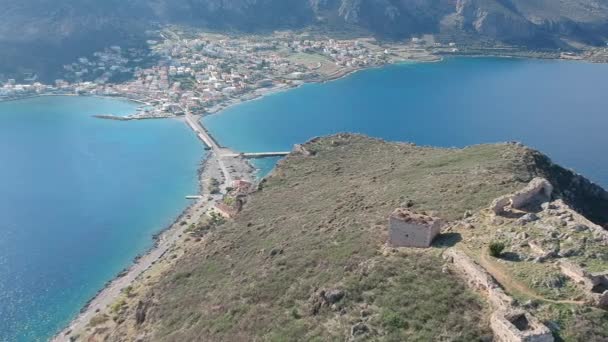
(558, 107)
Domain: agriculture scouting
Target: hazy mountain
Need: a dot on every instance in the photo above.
(34, 33)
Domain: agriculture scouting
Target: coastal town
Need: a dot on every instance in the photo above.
(203, 73)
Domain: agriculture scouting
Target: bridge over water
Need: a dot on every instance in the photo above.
(255, 155)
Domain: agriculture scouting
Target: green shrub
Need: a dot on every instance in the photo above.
(118, 306)
(496, 248)
(392, 320)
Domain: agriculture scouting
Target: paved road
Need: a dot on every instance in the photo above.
(202, 133)
(255, 154)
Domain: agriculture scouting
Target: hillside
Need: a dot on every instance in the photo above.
(40, 34)
(306, 259)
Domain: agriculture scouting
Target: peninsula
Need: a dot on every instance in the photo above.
(308, 254)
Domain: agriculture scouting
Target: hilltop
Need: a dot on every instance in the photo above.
(306, 259)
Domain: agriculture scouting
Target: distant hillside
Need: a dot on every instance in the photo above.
(43, 33)
(305, 259)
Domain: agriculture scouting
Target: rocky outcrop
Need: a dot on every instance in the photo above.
(494, 21)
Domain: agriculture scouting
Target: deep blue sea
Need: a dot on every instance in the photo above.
(79, 198)
(558, 107)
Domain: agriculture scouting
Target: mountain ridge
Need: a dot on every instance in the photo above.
(35, 30)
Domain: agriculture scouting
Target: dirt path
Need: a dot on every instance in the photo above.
(512, 285)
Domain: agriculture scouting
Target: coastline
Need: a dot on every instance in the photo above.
(170, 235)
(163, 241)
(343, 73)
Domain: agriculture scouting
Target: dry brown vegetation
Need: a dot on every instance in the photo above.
(306, 260)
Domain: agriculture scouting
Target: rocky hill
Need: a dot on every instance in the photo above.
(307, 259)
(42, 33)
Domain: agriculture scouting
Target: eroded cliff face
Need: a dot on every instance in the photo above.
(494, 20)
(499, 19)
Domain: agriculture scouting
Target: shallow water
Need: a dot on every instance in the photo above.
(80, 198)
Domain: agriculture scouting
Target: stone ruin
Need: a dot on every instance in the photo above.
(595, 284)
(301, 150)
(478, 278)
(508, 323)
(538, 191)
(409, 229)
(518, 326)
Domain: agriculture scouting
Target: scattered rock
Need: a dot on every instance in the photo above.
(531, 304)
(333, 296)
(538, 260)
(276, 251)
(467, 214)
(359, 329)
(570, 252)
(556, 281)
(407, 203)
(548, 206)
(366, 313)
(140, 312)
(580, 228)
(315, 306)
(531, 217)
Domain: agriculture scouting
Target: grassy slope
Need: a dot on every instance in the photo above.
(320, 223)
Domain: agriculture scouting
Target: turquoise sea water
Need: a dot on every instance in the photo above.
(558, 107)
(79, 198)
(264, 166)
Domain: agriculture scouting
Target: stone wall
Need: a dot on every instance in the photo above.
(508, 323)
(538, 191)
(518, 326)
(596, 285)
(479, 279)
(578, 274)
